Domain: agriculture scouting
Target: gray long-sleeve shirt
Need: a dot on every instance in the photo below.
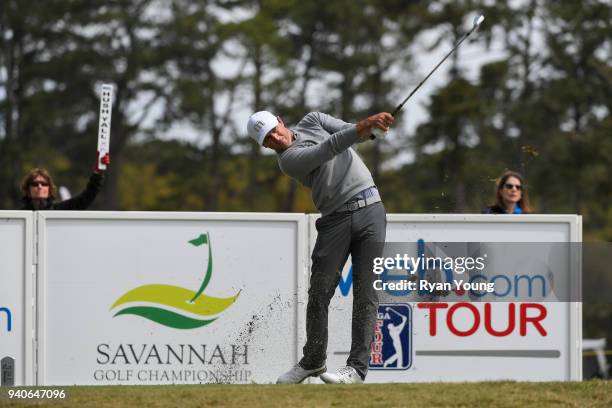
(322, 159)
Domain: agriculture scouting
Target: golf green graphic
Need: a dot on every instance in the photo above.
(190, 309)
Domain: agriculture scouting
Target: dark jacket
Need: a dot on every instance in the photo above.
(80, 202)
(495, 209)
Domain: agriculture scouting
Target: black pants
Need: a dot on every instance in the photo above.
(362, 234)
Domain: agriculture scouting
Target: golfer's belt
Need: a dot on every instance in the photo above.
(354, 205)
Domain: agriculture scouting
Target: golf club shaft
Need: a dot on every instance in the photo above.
(477, 21)
(401, 105)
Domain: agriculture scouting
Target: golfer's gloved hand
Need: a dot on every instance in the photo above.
(381, 121)
(104, 160)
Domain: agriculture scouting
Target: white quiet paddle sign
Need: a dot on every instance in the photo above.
(104, 127)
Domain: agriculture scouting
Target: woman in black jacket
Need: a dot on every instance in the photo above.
(510, 195)
(39, 191)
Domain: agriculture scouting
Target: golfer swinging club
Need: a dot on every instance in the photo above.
(317, 153)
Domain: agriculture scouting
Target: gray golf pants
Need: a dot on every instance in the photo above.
(360, 233)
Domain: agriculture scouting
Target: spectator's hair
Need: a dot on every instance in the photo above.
(523, 202)
(37, 172)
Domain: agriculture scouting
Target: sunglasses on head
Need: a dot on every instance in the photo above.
(39, 183)
(510, 186)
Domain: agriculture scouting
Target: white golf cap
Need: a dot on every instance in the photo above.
(260, 123)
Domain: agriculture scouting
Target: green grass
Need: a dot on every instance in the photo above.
(486, 394)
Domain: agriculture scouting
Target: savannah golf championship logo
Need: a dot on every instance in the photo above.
(173, 306)
(392, 345)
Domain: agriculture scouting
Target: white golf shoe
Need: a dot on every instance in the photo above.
(297, 374)
(345, 375)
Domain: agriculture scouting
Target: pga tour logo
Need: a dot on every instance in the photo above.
(392, 345)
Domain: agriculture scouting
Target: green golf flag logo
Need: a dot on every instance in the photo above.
(174, 306)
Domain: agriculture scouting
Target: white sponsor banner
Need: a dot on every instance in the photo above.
(159, 298)
(16, 307)
(460, 340)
